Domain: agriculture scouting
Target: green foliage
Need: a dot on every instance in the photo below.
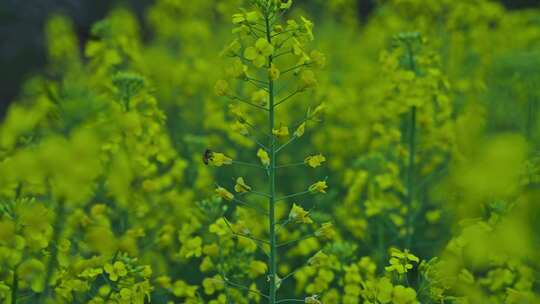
(426, 151)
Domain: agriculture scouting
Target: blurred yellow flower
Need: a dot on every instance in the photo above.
(116, 270)
(299, 215)
(249, 17)
(285, 4)
(257, 268)
(314, 299)
(191, 248)
(224, 194)
(221, 88)
(319, 259)
(403, 295)
(400, 261)
(307, 79)
(300, 130)
(326, 231)
(260, 97)
(318, 59)
(282, 131)
(263, 156)
(315, 161)
(241, 186)
(258, 53)
(273, 72)
(219, 159)
(319, 186)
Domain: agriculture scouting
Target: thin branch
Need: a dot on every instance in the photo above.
(247, 236)
(282, 54)
(257, 85)
(242, 287)
(289, 219)
(252, 28)
(257, 80)
(237, 162)
(291, 165)
(247, 289)
(297, 240)
(291, 273)
(14, 287)
(283, 224)
(58, 228)
(287, 143)
(282, 43)
(252, 138)
(257, 193)
(295, 67)
(288, 97)
(284, 32)
(257, 129)
(290, 300)
(236, 98)
(256, 208)
(292, 195)
(222, 272)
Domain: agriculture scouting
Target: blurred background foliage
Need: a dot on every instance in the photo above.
(22, 51)
(104, 143)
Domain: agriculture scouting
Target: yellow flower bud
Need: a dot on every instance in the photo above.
(282, 131)
(241, 186)
(263, 156)
(315, 161)
(299, 215)
(224, 194)
(221, 88)
(319, 186)
(273, 72)
(300, 130)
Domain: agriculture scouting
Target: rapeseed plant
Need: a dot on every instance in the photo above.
(262, 45)
(431, 132)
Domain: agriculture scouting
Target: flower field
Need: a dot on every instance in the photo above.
(277, 151)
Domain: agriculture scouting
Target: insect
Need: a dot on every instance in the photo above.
(207, 156)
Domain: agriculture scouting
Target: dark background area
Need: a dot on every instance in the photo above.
(22, 49)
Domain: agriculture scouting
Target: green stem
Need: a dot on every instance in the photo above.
(291, 300)
(412, 153)
(57, 231)
(291, 165)
(292, 195)
(380, 241)
(14, 287)
(272, 261)
(531, 113)
(410, 172)
(222, 272)
(296, 240)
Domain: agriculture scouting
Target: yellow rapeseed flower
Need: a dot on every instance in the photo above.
(260, 97)
(221, 88)
(299, 215)
(400, 261)
(263, 156)
(258, 53)
(300, 130)
(319, 186)
(326, 231)
(315, 161)
(273, 72)
(224, 194)
(241, 186)
(219, 159)
(116, 270)
(282, 131)
(314, 299)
